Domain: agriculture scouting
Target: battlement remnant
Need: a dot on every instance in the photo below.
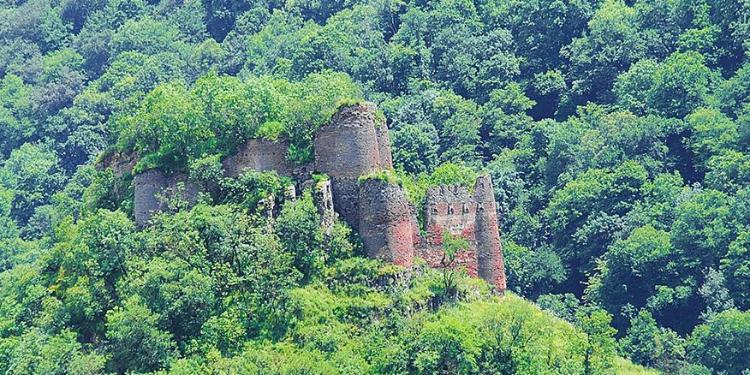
(353, 144)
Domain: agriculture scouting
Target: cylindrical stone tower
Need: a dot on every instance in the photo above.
(491, 266)
(385, 224)
(348, 145)
(345, 149)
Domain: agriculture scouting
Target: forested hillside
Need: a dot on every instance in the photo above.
(616, 133)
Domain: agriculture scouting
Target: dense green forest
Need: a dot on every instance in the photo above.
(617, 135)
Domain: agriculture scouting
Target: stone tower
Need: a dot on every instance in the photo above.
(491, 266)
(348, 147)
(385, 222)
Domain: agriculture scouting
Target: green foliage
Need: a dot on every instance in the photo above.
(175, 125)
(32, 173)
(718, 344)
(600, 343)
(616, 134)
(649, 345)
(299, 230)
(451, 245)
(531, 273)
(255, 191)
(737, 268)
(385, 175)
(446, 174)
(585, 212)
(646, 252)
(137, 342)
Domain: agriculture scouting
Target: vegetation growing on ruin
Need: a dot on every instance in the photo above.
(616, 134)
(175, 124)
(385, 175)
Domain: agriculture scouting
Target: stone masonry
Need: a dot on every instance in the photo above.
(353, 144)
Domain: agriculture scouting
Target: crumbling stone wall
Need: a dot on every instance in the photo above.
(449, 209)
(259, 155)
(384, 145)
(354, 143)
(121, 163)
(489, 249)
(153, 189)
(385, 223)
(323, 198)
(452, 209)
(348, 147)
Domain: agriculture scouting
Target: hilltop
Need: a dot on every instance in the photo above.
(347, 186)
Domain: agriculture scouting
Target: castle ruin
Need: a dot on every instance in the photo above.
(355, 143)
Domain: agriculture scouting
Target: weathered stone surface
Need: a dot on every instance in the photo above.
(384, 145)
(153, 189)
(259, 155)
(346, 199)
(449, 208)
(452, 209)
(489, 250)
(323, 197)
(348, 146)
(385, 223)
(432, 254)
(120, 163)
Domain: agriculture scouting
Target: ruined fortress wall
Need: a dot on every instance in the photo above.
(385, 223)
(259, 155)
(489, 250)
(120, 163)
(432, 254)
(384, 145)
(323, 196)
(153, 189)
(451, 209)
(146, 187)
(348, 145)
(351, 145)
(346, 200)
(345, 149)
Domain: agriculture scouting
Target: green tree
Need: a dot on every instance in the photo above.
(532, 273)
(610, 45)
(681, 84)
(600, 343)
(648, 344)
(137, 342)
(736, 267)
(298, 227)
(719, 343)
(33, 173)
